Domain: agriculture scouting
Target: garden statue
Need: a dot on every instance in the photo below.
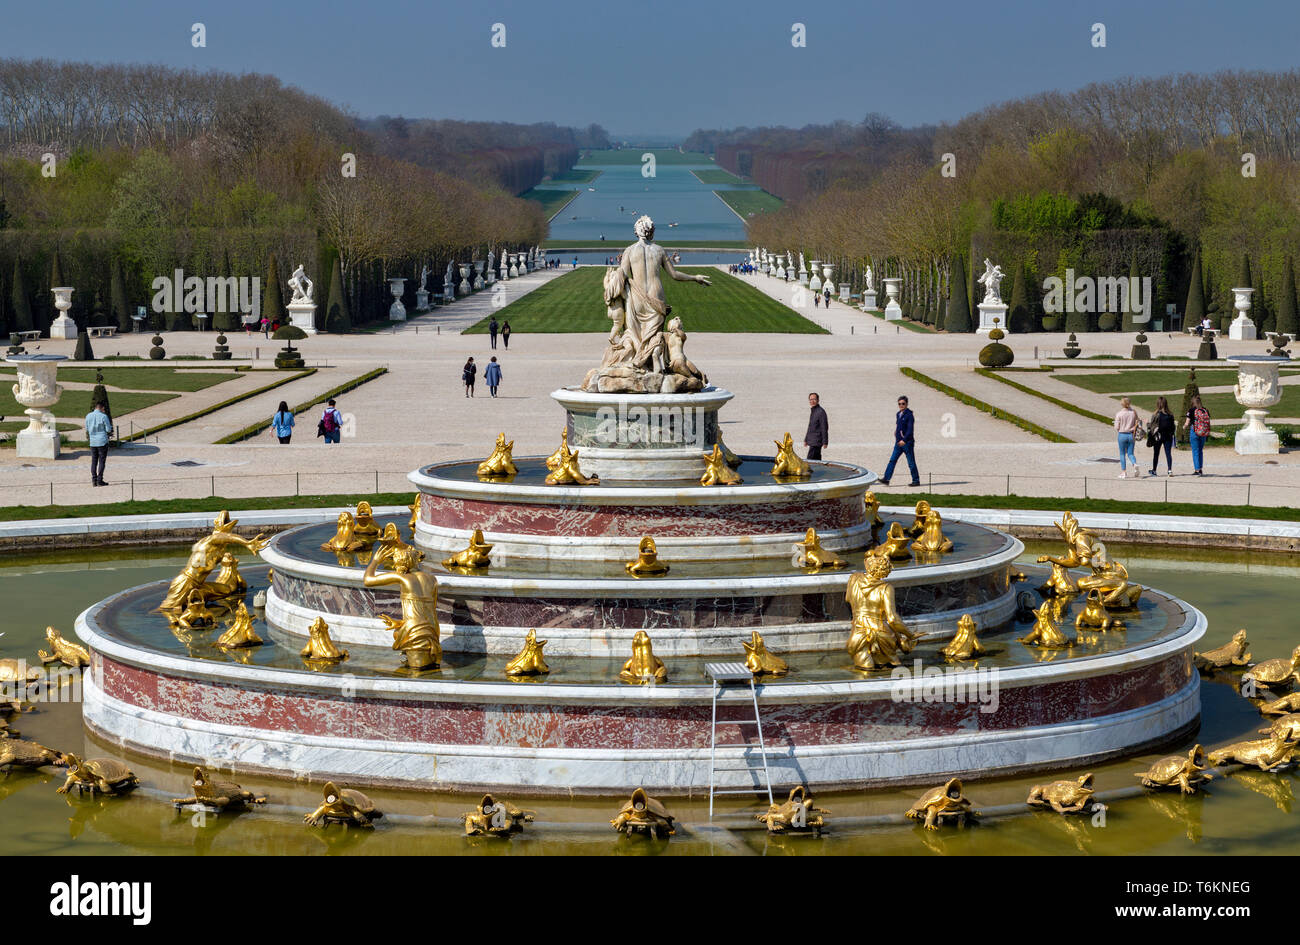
(529, 661)
(942, 803)
(240, 633)
(1175, 770)
(644, 666)
(211, 793)
(205, 554)
(788, 462)
(1064, 797)
(475, 557)
(416, 634)
(343, 806)
(879, 636)
(320, 648)
(964, 645)
(496, 818)
(797, 815)
(643, 814)
(563, 464)
(647, 563)
(63, 650)
(501, 462)
(759, 661)
(302, 287)
(811, 556)
(717, 472)
(992, 282)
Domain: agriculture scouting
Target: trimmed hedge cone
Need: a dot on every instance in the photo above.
(156, 352)
(995, 354)
(289, 356)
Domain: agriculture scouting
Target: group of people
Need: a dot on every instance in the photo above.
(491, 376)
(1160, 431)
(818, 436)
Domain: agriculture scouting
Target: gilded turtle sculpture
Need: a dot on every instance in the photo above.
(643, 814)
(23, 753)
(1275, 674)
(215, 793)
(1187, 774)
(105, 775)
(343, 806)
(1064, 797)
(944, 803)
(496, 818)
(798, 814)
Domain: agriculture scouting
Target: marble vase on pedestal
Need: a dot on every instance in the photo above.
(478, 274)
(1257, 389)
(893, 311)
(397, 311)
(37, 391)
(990, 311)
(815, 280)
(63, 326)
(1242, 328)
(464, 288)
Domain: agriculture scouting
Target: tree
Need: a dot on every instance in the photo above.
(56, 271)
(229, 319)
(1288, 320)
(1019, 316)
(272, 296)
(1195, 310)
(338, 314)
(958, 318)
(119, 307)
(22, 303)
(1127, 324)
(83, 352)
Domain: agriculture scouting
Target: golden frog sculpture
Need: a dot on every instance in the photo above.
(1094, 615)
(871, 505)
(879, 636)
(964, 645)
(932, 540)
(205, 554)
(761, 662)
(797, 815)
(529, 661)
(644, 666)
(918, 522)
(241, 632)
(213, 793)
(563, 464)
(647, 563)
(811, 556)
(496, 818)
(716, 470)
(645, 815)
(473, 558)
(1064, 797)
(895, 546)
(1047, 631)
(501, 461)
(343, 542)
(366, 530)
(416, 634)
(1236, 652)
(196, 616)
(944, 803)
(415, 515)
(1187, 774)
(229, 582)
(320, 648)
(343, 806)
(788, 463)
(63, 650)
(1271, 674)
(1266, 754)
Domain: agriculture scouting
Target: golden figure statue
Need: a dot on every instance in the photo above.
(879, 635)
(788, 462)
(204, 556)
(811, 556)
(1064, 797)
(415, 514)
(241, 632)
(473, 558)
(213, 793)
(343, 806)
(1266, 754)
(529, 661)
(416, 634)
(1094, 615)
(872, 505)
(343, 543)
(1111, 579)
(1059, 583)
(496, 818)
(647, 563)
(229, 582)
(1187, 773)
(501, 463)
(388, 544)
(643, 814)
(918, 523)
(716, 470)
(797, 815)
(932, 540)
(196, 616)
(1236, 652)
(895, 546)
(942, 803)
(644, 666)
(1283, 706)
(366, 530)
(759, 661)
(105, 775)
(563, 464)
(1047, 630)
(1078, 544)
(732, 459)
(964, 646)
(320, 648)
(63, 650)
(1272, 674)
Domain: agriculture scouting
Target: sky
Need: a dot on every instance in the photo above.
(667, 67)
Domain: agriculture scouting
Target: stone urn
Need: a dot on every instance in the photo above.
(464, 288)
(514, 265)
(478, 274)
(827, 269)
(893, 311)
(1257, 389)
(63, 326)
(397, 311)
(37, 391)
(1242, 328)
(815, 282)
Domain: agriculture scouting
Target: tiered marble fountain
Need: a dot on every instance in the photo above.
(558, 555)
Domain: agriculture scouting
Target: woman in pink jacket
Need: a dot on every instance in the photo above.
(1127, 427)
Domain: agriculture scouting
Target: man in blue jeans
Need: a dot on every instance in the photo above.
(904, 443)
(98, 429)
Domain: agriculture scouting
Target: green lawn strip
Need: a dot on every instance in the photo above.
(574, 302)
(10, 426)
(616, 246)
(902, 323)
(748, 203)
(995, 412)
(1288, 434)
(716, 175)
(1063, 404)
(76, 403)
(146, 379)
(167, 425)
(575, 176)
(552, 201)
(1224, 404)
(1100, 506)
(171, 506)
(628, 156)
(1132, 380)
(256, 428)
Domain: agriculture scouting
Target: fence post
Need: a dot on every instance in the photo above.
(1247, 494)
(1085, 487)
(212, 487)
(132, 489)
(1008, 485)
(376, 482)
(296, 488)
(51, 492)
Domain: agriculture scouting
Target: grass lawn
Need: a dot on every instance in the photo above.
(76, 403)
(716, 175)
(575, 302)
(574, 176)
(13, 426)
(146, 378)
(633, 156)
(1139, 380)
(552, 201)
(749, 203)
(1224, 406)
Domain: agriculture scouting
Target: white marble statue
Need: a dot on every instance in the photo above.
(302, 287)
(424, 277)
(871, 281)
(992, 282)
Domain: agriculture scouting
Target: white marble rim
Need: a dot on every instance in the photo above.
(733, 586)
(279, 679)
(709, 398)
(1112, 521)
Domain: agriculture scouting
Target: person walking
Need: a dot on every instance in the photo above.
(282, 422)
(904, 443)
(826, 297)
(331, 423)
(1160, 433)
(467, 374)
(266, 327)
(492, 374)
(1128, 427)
(505, 332)
(818, 434)
(98, 429)
(1197, 423)
(493, 328)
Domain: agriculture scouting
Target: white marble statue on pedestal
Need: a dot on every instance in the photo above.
(993, 312)
(302, 287)
(422, 290)
(302, 307)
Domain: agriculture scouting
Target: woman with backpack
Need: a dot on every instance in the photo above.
(1128, 426)
(467, 375)
(331, 423)
(282, 422)
(1197, 423)
(1161, 433)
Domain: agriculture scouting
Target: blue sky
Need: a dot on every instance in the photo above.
(667, 67)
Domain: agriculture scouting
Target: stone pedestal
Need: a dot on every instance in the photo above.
(37, 391)
(421, 300)
(990, 311)
(869, 300)
(303, 315)
(63, 327)
(845, 288)
(1257, 389)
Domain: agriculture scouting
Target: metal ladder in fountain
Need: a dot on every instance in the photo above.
(734, 675)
